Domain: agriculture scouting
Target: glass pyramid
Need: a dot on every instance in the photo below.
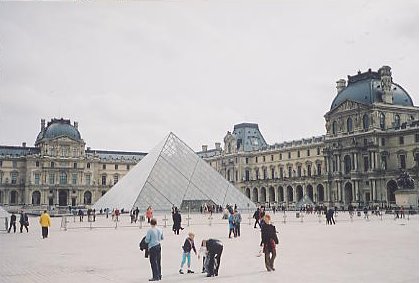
(172, 174)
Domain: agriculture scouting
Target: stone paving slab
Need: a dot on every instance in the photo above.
(377, 250)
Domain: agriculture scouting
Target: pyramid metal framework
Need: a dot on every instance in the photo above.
(172, 173)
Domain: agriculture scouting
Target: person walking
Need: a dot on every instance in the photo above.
(330, 216)
(45, 222)
(12, 223)
(153, 237)
(237, 219)
(24, 221)
(231, 224)
(269, 241)
(176, 217)
(256, 216)
(186, 255)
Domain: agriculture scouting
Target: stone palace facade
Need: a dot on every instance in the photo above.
(372, 135)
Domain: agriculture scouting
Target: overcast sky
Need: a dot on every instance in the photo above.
(131, 72)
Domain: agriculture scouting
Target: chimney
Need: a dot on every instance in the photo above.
(42, 124)
(76, 125)
(204, 147)
(217, 145)
(24, 144)
(386, 84)
(341, 84)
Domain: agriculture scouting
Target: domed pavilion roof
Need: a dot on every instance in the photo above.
(59, 128)
(366, 88)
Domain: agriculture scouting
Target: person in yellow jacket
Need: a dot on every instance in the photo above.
(45, 222)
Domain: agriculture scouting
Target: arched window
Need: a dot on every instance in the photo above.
(365, 122)
(382, 121)
(334, 128)
(87, 199)
(397, 121)
(349, 125)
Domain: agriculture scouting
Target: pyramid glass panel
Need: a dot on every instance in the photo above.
(172, 174)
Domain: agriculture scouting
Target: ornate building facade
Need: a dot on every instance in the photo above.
(371, 137)
(60, 170)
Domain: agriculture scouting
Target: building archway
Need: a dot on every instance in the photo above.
(299, 193)
(36, 198)
(391, 188)
(280, 194)
(62, 198)
(310, 192)
(255, 195)
(320, 190)
(13, 197)
(87, 198)
(271, 194)
(248, 193)
(263, 195)
(348, 193)
(289, 194)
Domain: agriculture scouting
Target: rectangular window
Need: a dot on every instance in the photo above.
(236, 176)
(104, 166)
(384, 165)
(318, 169)
(87, 179)
(298, 153)
(263, 158)
(88, 166)
(1, 163)
(272, 173)
(115, 179)
(52, 165)
(318, 151)
(401, 140)
(14, 164)
(103, 180)
(416, 138)
(63, 178)
(308, 152)
(365, 163)
(246, 175)
(299, 171)
(289, 154)
(14, 177)
(246, 160)
(37, 178)
(281, 173)
(116, 166)
(272, 157)
(74, 179)
(128, 166)
(75, 165)
(309, 170)
(281, 156)
(383, 141)
(290, 172)
(51, 179)
(37, 164)
(402, 161)
(256, 159)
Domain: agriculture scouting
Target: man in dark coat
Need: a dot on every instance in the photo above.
(24, 221)
(12, 223)
(176, 217)
(214, 252)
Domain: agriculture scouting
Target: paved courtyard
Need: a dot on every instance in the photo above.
(377, 250)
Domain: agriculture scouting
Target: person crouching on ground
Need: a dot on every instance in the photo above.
(214, 253)
(269, 241)
(186, 255)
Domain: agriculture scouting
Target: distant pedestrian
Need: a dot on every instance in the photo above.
(81, 215)
(177, 219)
(237, 219)
(12, 223)
(203, 253)
(365, 212)
(45, 222)
(214, 253)
(269, 240)
(256, 216)
(231, 225)
(149, 214)
(24, 221)
(186, 255)
(153, 237)
(330, 216)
